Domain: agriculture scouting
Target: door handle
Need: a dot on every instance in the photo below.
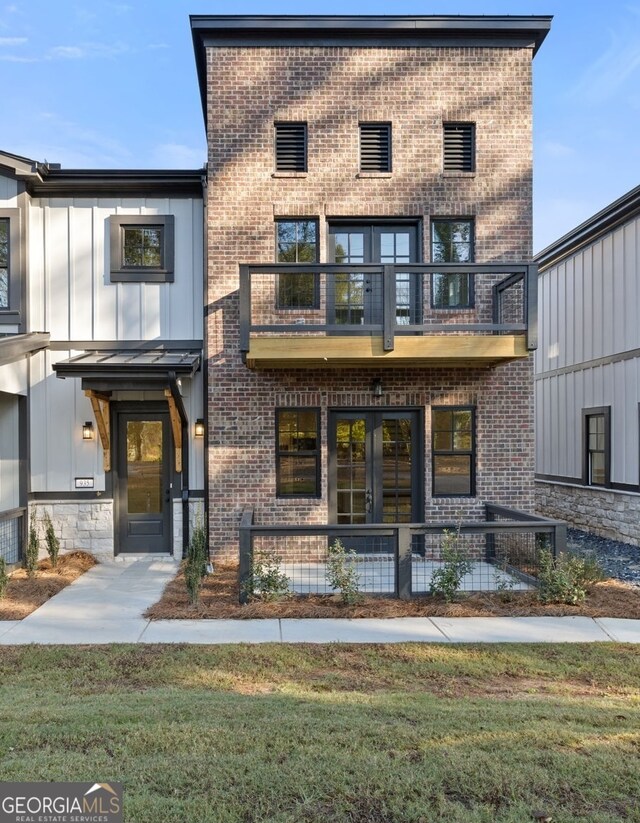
(368, 501)
(167, 496)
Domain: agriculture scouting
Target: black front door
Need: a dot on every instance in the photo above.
(356, 298)
(143, 490)
(375, 467)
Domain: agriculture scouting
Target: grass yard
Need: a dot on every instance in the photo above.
(351, 734)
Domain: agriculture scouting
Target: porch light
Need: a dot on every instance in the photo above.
(376, 387)
(87, 431)
(198, 428)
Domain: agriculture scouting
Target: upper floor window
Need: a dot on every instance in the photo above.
(459, 147)
(291, 147)
(297, 242)
(453, 451)
(375, 147)
(4, 263)
(452, 241)
(596, 426)
(142, 248)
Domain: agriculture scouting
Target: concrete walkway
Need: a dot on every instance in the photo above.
(105, 606)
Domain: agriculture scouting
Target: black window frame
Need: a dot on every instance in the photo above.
(11, 314)
(472, 453)
(316, 280)
(316, 453)
(605, 413)
(118, 224)
(470, 304)
(284, 124)
(381, 126)
(469, 126)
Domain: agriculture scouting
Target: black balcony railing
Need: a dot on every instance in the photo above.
(387, 300)
(399, 560)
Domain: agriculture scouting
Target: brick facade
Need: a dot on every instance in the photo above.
(333, 89)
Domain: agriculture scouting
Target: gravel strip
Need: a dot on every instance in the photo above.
(619, 560)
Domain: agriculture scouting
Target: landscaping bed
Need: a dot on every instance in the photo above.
(219, 599)
(25, 594)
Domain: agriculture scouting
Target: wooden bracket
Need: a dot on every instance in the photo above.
(100, 404)
(176, 427)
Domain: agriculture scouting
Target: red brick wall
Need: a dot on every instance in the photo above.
(333, 89)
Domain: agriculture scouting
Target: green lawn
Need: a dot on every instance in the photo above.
(364, 734)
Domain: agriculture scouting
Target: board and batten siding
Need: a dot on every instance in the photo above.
(71, 293)
(8, 192)
(589, 310)
(9, 454)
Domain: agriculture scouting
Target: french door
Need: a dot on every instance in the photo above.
(355, 298)
(375, 467)
(143, 490)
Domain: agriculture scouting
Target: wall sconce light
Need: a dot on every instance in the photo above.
(376, 387)
(87, 431)
(198, 428)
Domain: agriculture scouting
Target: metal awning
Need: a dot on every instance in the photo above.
(103, 372)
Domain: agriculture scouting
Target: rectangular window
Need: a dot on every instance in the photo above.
(459, 147)
(4, 263)
(452, 242)
(142, 248)
(453, 451)
(597, 439)
(375, 147)
(291, 146)
(297, 242)
(297, 453)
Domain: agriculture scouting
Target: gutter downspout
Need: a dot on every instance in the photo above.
(177, 397)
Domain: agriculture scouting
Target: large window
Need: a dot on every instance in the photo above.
(297, 453)
(452, 242)
(597, 439)
(142, 248)
(453, 451)
(297, 242)
(4, 263)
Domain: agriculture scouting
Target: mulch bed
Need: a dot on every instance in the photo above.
(25, 594)
(219, 599)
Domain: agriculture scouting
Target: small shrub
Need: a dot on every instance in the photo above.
(32, 551)
(52, 541)
(504, 583)
(4, 577)
(446, 580)
(342, 573)
(195, 567)
(266, 581)
(567, 578)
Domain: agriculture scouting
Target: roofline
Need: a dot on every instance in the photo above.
(341, 30)
(118, 182)
(621, 210)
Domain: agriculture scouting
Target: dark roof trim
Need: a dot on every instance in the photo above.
(117, 183)
(621, 210)
(125, 365)
(16, 346)
(506, 31)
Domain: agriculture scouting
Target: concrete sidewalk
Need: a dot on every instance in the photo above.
(105, 606)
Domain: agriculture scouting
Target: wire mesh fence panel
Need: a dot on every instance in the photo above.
(11, 540)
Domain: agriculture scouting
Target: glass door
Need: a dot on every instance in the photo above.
(143, 493)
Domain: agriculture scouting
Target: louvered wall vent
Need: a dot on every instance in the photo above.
(375, 147)
(459, 147)
(291, 146)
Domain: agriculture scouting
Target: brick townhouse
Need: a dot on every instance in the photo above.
(370, 305)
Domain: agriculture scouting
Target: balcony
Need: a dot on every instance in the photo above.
(337, 315)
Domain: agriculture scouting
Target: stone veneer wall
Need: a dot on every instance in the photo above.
(79, 525)
(332, 89)
(606, 512)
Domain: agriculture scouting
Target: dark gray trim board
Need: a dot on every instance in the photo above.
(621, 210)
(117, 183)
(70, 497)
(372, 31)
(591, 364)
(577, 481)
(19, 345)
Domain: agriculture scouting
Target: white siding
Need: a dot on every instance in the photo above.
(9, 475)
(8, 192)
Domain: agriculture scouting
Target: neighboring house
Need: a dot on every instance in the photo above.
(101, 281)
(588, 374)
(371, 299)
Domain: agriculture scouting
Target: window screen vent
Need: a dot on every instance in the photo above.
(459, 148)
(291, 146)
(375, 147)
